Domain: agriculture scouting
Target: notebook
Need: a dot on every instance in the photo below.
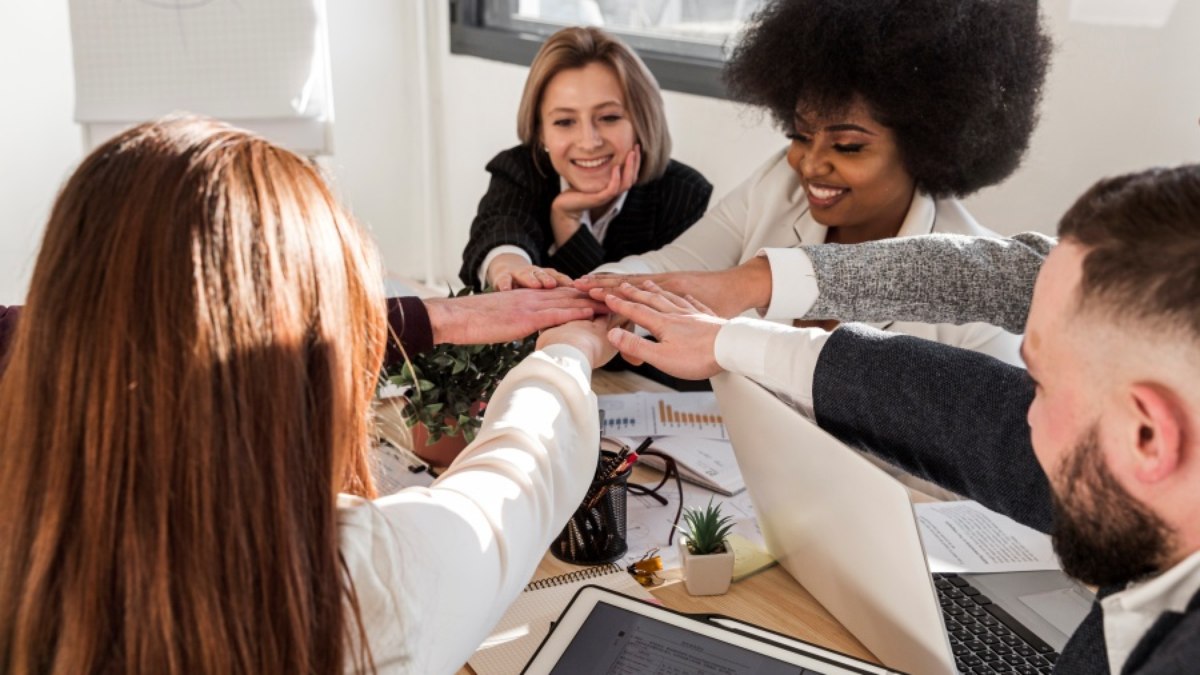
(527, 622)
(708, 463)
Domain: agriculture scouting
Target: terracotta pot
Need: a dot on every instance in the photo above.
(439, 454)
(706, 574)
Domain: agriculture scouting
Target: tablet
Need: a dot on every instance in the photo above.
(605, 632)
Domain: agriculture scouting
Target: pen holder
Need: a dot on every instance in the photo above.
(596, 532)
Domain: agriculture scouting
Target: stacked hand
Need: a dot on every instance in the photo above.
(508, 271)
(589, 337)
(685, 328)
(728, 293)
(499, 317)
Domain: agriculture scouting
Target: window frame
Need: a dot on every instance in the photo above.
(469, 36)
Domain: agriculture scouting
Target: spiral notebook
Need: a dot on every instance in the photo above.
(527, 622)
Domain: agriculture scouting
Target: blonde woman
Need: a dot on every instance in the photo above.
(592, 180)
(184, 479)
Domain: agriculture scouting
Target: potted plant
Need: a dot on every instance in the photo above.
(447, 390)
(707, 557)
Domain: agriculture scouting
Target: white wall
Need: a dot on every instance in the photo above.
(415, 125)
(39, 144)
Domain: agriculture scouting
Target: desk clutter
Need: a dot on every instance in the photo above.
(596, 532)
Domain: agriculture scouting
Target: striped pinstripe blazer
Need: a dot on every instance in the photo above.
(516, 211)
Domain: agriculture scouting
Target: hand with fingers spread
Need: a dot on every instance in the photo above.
(508, 271)
(568, 207)
(728, 292)
(499, 317)
(685, 328)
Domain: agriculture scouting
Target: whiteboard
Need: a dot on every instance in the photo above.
(257, 63)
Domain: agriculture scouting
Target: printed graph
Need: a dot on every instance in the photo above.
(672, 419)
(688, 414)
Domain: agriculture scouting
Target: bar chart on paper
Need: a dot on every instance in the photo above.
(688, 414)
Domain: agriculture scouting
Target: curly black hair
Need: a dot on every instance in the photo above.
(957, 81)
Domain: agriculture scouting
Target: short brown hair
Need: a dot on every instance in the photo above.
(576, 47)
(1142, 235)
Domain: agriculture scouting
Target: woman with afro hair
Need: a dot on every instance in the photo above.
(894, 110)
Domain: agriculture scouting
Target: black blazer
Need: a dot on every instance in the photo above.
(516, 211)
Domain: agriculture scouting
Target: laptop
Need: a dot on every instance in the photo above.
(847, 532)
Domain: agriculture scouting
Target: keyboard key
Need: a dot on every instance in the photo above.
(982, 599)
(1025, 651)
(942, 585)
(958, 581)
(969, 590)
(1027, 670)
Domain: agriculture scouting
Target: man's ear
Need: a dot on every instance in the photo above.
(1160, 426)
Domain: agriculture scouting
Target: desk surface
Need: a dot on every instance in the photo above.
(771, 598)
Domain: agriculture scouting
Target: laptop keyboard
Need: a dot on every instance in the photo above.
(983, 637)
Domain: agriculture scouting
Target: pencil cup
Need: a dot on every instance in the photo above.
(596, 532)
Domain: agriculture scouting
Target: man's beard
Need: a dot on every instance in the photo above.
(1103, 536)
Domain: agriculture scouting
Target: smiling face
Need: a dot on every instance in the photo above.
(852, 174)
(584, 125)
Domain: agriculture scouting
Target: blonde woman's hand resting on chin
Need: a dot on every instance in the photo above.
(508, 271)
(685, 328)
(589, 337)
(568, 207)
(728, 292)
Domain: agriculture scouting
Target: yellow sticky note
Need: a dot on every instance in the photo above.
(748, 557)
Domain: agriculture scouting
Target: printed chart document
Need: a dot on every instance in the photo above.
(688, 414)
(965, 537)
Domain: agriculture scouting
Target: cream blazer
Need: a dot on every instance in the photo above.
(770, 210)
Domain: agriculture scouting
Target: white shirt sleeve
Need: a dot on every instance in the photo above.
(499, 250)
(781, 358)
(793, 283)
(435, 568)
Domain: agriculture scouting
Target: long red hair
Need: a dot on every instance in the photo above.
(187, 391)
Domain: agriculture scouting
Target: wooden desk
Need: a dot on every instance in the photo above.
(771, 598)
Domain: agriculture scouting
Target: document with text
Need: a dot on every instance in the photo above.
(965, 537)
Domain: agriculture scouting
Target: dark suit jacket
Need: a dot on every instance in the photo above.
(957, 418)
(516, 211)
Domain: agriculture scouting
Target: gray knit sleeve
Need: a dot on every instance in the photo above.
(937, 278)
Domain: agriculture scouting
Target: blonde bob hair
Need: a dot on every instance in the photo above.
(577, 47)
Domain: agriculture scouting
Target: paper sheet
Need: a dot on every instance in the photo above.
(964, 536)
(691, 414)
(708, 463)
(648, 523)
